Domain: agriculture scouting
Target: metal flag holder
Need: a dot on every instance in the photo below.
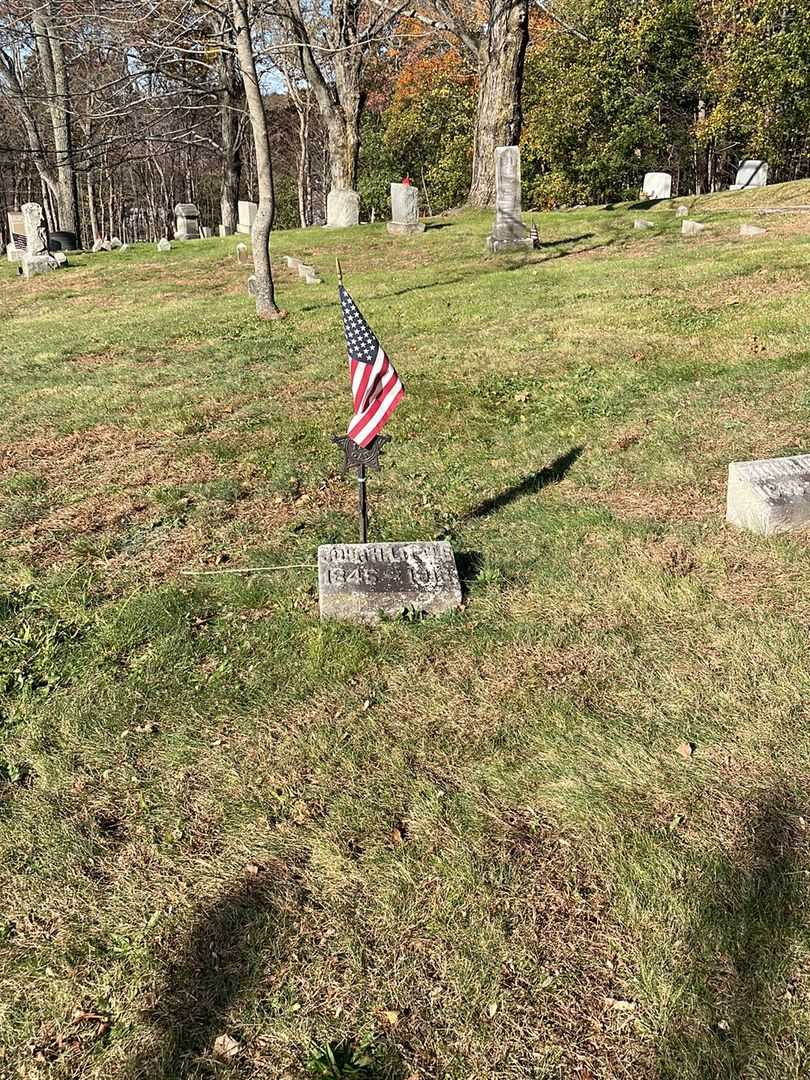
(360, 458)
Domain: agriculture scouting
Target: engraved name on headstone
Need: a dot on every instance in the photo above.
(362, 582)
(509, 232)
(770, 496)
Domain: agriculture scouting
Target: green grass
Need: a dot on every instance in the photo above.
(455, 849)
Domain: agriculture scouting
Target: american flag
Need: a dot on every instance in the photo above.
(535, 236)
(376, 387)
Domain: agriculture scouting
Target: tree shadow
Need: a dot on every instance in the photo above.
(736, 996)
(565, 240)
(220, 965)
(469, 565)
(530, 485)
(439, 225)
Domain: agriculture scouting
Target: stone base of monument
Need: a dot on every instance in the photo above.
(14, 254)
(37, 264)
(771, 496)
(366, 582)
(399, 228)
(497, 245)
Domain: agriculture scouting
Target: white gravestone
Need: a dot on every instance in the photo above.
(36, 259)
(164, 245)
(242, 254)
(342, 208)
(16, 226)
(508, 233)
(642, 223)
(404, 211)
(771, 496)
(751, 173)
(247, 215)
(691, 228)
(187, 226)
(657, 185)
(362, 582)
(752, 230)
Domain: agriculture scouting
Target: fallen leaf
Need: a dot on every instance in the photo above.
(391, 1017)
(619, 1004)
(686, 749)
(492, 1008)
(226, 1048)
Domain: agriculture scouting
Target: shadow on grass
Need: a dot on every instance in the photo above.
(220, 965)
(469, 565)
(550, 474)
(736, 999)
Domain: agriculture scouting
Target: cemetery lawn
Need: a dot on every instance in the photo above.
(562, 833)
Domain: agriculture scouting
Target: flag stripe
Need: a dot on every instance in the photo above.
(376, 387)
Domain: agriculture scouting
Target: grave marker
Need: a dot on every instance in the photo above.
(342, 208)
(404, 211)
(751, 174)
(656, 185)
(187, 224)
(16, 226)
(508, 233)
(770, 496)
(247, 216)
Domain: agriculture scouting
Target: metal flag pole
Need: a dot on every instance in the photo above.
(362, 503)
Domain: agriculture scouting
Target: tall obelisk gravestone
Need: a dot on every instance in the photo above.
(509, 233)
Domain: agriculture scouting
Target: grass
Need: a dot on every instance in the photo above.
(466, 847)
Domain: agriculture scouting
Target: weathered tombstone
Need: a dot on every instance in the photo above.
(59, 257)
(771, 496)
(682, 211)
(691, 228)
(312, 279)
(404, 211)
(508, 233)
(187, 225)
(206, 232)
(16, 226)
(657, 185)
(247, 215)
(750, 174)
(242, 254)
(36, 259)
(222, 231)
(115, 243)
(342, 208)
(364, 582)
(164, 245)
(306, 271)
(752, 230)
(642, 223)
(292, 262)
(251, 285)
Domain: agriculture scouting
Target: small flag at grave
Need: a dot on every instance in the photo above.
(376, 387)
(535, 236)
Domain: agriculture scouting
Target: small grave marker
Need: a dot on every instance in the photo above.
(770, 496)
(691, 228)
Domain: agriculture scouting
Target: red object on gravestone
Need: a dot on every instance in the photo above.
(406, 181)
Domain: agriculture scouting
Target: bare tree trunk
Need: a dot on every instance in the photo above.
(91, 205)
(498, 120)
(266, 307)
(54, 73)
(231, 101)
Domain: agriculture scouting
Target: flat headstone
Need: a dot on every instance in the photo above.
(682, 211)
(37, 264)
(292, 262)
(164, 245)
(312, 279)
(306, 271)
(656, 185)
(247, 215)
(362, 582)
(751, 174)
(59, 257)
(691, 228)
(404, 211)
(642, 223)
(770, 496)
(342, 208)
(752, 230)
(508, 233)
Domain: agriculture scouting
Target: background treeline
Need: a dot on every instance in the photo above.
(113, 111)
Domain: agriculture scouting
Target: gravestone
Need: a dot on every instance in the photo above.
(16, 226)
(752, 230)
(691, 228)
(771, 496)
(342, 208)
(222, 231)
(164, 245)
(115, 243)
(508, 233)
(292, 262)
(187, 226)
(362, 582)
(206, 232)
(751, 174)
(682, 211)
(100, 244)
(242, 254)
(247, 215)
(656, 185)
(642, 223)
(404, 211)
(36, 259)
(251, 285)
